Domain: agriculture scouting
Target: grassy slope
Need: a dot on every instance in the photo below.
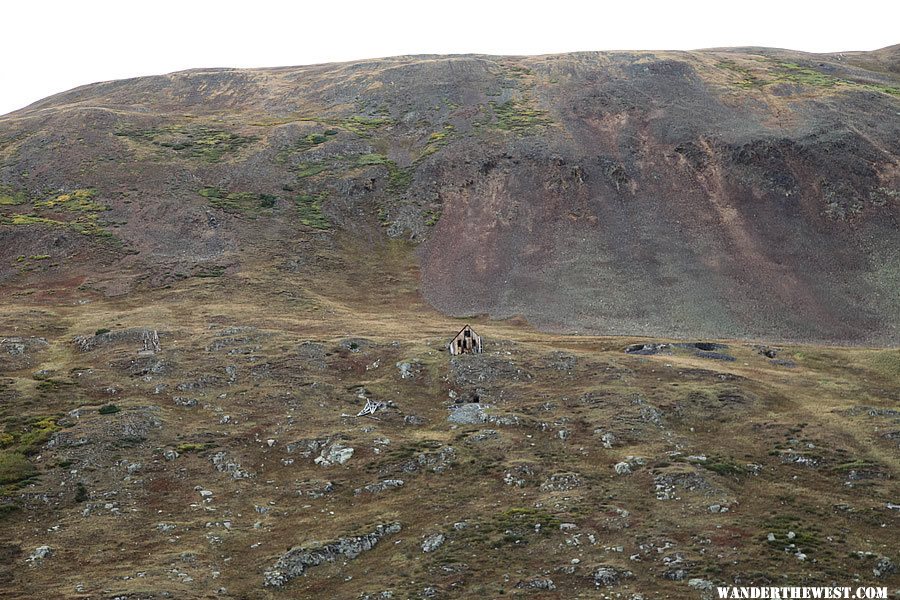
(663, 408)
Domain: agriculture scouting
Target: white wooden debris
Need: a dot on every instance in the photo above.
(371, 407)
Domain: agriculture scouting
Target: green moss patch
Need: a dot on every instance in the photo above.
(238, 202)
(12, 197)
(26, 435)
(192, 447)
(794, 73)
(305, 143)
(311, 169)
(399, 178)
(437, 140)
(15, 468)
(519, 117)
(77, 210)
(201, 142)
(309, 209)
(363, 126)
(76, 201)
(744, 77)
(771, 72)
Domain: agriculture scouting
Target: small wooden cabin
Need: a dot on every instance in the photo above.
(466, 342)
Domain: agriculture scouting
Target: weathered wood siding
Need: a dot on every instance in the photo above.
(466, 342)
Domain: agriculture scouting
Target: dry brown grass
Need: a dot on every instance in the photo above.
(765, 407)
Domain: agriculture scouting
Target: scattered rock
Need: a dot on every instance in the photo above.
(518, 475)
(607, 576)
(221, 462)
(884, 567)
(767, 351)
(437, 461)
(335, 454)
(536, 583)
(561, 361)
(562, 482)
(315, 488)
(484, 435)
(307, 447)
(468, 414)
(474, 369)
(408, 369)
(649, 413)
(297, 560)
(377, 488)
(666, 484)
(313, 354)
(433, 542)
(22, 346)
(143, 338)
(39, 554)
(700, 584)
(630, 463)
(647, 349)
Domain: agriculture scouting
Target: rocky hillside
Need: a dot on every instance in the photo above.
(202, 441)
(207, 277)
(733, 193)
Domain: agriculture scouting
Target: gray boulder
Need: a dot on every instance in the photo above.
(433, 542)
(297, 560)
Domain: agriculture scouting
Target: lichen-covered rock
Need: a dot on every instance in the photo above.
(143, 338)
(39, 554)
(222, 463)
(297, 560)
(608, 576)
(562, 482)
(700, 584)
(474, 369)
(335, 454)
(627, 466)
(377, 488)
(18, 352)
(884, 567)
(537, 583)
(409, 369)
(312, 354)
(314, 488)
(468, 414)
(433, 542)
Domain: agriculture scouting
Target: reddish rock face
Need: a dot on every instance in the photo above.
(723, 193)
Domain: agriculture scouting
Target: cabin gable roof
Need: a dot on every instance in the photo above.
(459, 333)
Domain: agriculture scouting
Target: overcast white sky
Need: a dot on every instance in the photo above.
(51, 46)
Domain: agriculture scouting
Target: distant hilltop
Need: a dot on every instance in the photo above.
(730, 193)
